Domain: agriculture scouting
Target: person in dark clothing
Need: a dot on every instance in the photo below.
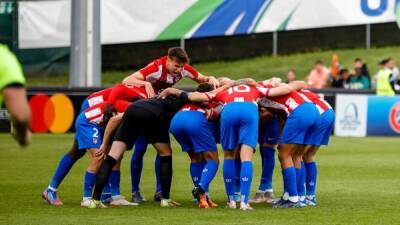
(359, 64)
(343, 81)
(151, 118)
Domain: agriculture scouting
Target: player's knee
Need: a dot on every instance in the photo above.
(211, 156)
(297, 159)
(308, 157)
(229, 154)
(285, 157)
(95, 163)
(195, 157)
(74, 154)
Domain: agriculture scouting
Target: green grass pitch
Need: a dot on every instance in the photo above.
(358, 183)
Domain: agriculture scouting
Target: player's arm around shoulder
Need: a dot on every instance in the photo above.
(191, 96)
(138, 79)
(282, 89)
(207, 79)
(298, 85)
(244, 81)
(208, 96)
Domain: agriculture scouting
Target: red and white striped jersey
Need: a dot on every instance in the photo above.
(211, 110)
(286, 103)
(156, 73)
(239, 93)
(99, 97)
(126, 93)
(319, 102)
(96, 113)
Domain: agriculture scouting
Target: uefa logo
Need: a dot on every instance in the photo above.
(350, 120)
(394, 117)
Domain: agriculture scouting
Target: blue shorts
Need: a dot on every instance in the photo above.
(299, 125)
(87, 135)
(268, 131)
(193, 131)
(239, 125)
(326, 126)
(85, 105)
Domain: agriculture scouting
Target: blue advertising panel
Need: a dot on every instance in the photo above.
(383, 116)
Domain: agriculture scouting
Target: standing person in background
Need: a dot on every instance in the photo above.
(395, 72)
(291, 76)
(318, 77)
(360, 64)
(12, 88)
(385, 80)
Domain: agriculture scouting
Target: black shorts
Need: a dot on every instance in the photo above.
(137, 121)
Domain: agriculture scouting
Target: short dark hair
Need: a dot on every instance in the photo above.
(205, 87)
(358, 59)
(178, 54)
(342, 71)
(384, 61)
(319, 61)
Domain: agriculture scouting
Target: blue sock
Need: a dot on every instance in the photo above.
(195, 172)
(284, 184)
(106, 194)
(137, 163)
(268, 165)
(300, 180)
(208, 174)
(303, 180)
(63, 168)
(238, 166)
(114, 180)
(228, 171)
(289, 179)
(311, 177)
(89, 181)
(246, 176)
(157, 171)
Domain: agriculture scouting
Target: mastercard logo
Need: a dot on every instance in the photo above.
(53, 114)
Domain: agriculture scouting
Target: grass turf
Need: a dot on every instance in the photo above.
(260, 68)
(358, 184)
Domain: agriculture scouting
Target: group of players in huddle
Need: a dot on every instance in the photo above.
(238, 114)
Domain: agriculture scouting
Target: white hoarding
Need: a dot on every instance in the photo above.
(47, 23)
(351, 115)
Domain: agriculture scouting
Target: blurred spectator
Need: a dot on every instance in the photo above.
(358, 80)
(291, 76)
(385, 80)
(318, 77)
(395, 72)
(343, 81)
(359, 63)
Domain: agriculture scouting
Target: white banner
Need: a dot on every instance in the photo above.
(47, 23)
(304, 14)
(351, 115)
